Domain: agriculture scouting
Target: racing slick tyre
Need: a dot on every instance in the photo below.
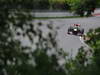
(69, 30)
(82, 31)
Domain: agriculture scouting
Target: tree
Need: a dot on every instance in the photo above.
(83, 8)
(16, 59)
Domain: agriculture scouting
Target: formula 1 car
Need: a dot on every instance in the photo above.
(76, 30)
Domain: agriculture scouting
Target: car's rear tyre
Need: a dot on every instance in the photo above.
(82, 31)
(69, 30)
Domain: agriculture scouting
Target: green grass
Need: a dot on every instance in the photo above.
(57, 17)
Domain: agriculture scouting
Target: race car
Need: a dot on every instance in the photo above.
(76, 29)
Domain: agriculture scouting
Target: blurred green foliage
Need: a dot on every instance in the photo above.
(14, 60)
(83, 8)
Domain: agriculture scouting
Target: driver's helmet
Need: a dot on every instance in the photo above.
(76, 24)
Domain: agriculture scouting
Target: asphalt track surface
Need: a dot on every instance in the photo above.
(71, 43)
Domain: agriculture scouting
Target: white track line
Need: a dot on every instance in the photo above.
(82, 41)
